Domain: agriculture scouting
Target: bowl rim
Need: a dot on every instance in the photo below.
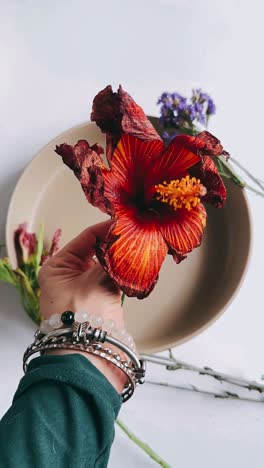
(193, 334)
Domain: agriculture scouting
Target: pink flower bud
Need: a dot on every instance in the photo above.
(25, 244)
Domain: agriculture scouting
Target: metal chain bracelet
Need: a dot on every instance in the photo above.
(83, 337)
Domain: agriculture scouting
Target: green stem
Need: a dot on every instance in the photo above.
(123, 299)
(251, 176)
(228, 169)
(147, 449)
(223, 173)
(249, 187)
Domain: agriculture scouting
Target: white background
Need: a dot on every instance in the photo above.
(55, 55)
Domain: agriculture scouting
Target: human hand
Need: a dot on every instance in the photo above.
(70, 280)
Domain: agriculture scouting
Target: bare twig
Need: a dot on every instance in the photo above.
(252, 189)
(175, 364)
(225, 394)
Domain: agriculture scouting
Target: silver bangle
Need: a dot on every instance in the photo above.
(82, 337)
(93, 335)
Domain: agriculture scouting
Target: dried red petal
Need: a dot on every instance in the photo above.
(177, 257)
(86, 163)
(133, 256)
(117, 113)
(209, 176)
(206, 144)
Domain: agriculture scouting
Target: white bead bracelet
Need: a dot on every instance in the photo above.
(56, 321)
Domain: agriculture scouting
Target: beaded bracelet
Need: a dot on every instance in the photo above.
(81, 336)
(58, 320)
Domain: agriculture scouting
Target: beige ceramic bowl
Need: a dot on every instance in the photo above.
(189, 296)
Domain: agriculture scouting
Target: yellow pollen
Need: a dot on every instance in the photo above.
(181, 193)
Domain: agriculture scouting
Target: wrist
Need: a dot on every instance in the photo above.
(114, 375)
(106, 312)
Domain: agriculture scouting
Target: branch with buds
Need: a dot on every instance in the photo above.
(173, 364)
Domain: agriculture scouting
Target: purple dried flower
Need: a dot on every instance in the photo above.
(177, 112)
(166, 136)
(198, 107)
(201, 119)
(177, 96)
(163, 98)
(211, 108)
(182, 106)
(191, 111)
(178, 101)
(204, 100)
(203, 97)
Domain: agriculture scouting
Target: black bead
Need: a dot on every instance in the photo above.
(67, 317)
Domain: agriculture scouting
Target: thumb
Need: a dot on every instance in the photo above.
(83, 245)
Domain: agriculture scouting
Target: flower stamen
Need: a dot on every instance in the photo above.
(181, 193)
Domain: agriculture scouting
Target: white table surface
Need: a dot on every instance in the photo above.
(54, 57)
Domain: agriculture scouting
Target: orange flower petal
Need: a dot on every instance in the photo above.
(133, 256)
(86, 163)
(183, 230)
(129, 164)
(173, 163)
(178, 157)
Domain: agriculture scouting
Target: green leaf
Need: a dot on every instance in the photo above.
(6, 272)
(29, 297)
(123, 296)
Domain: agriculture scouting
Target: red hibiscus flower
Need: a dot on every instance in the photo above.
(153, 194)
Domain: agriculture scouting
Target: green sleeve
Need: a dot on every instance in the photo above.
(62, 416)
